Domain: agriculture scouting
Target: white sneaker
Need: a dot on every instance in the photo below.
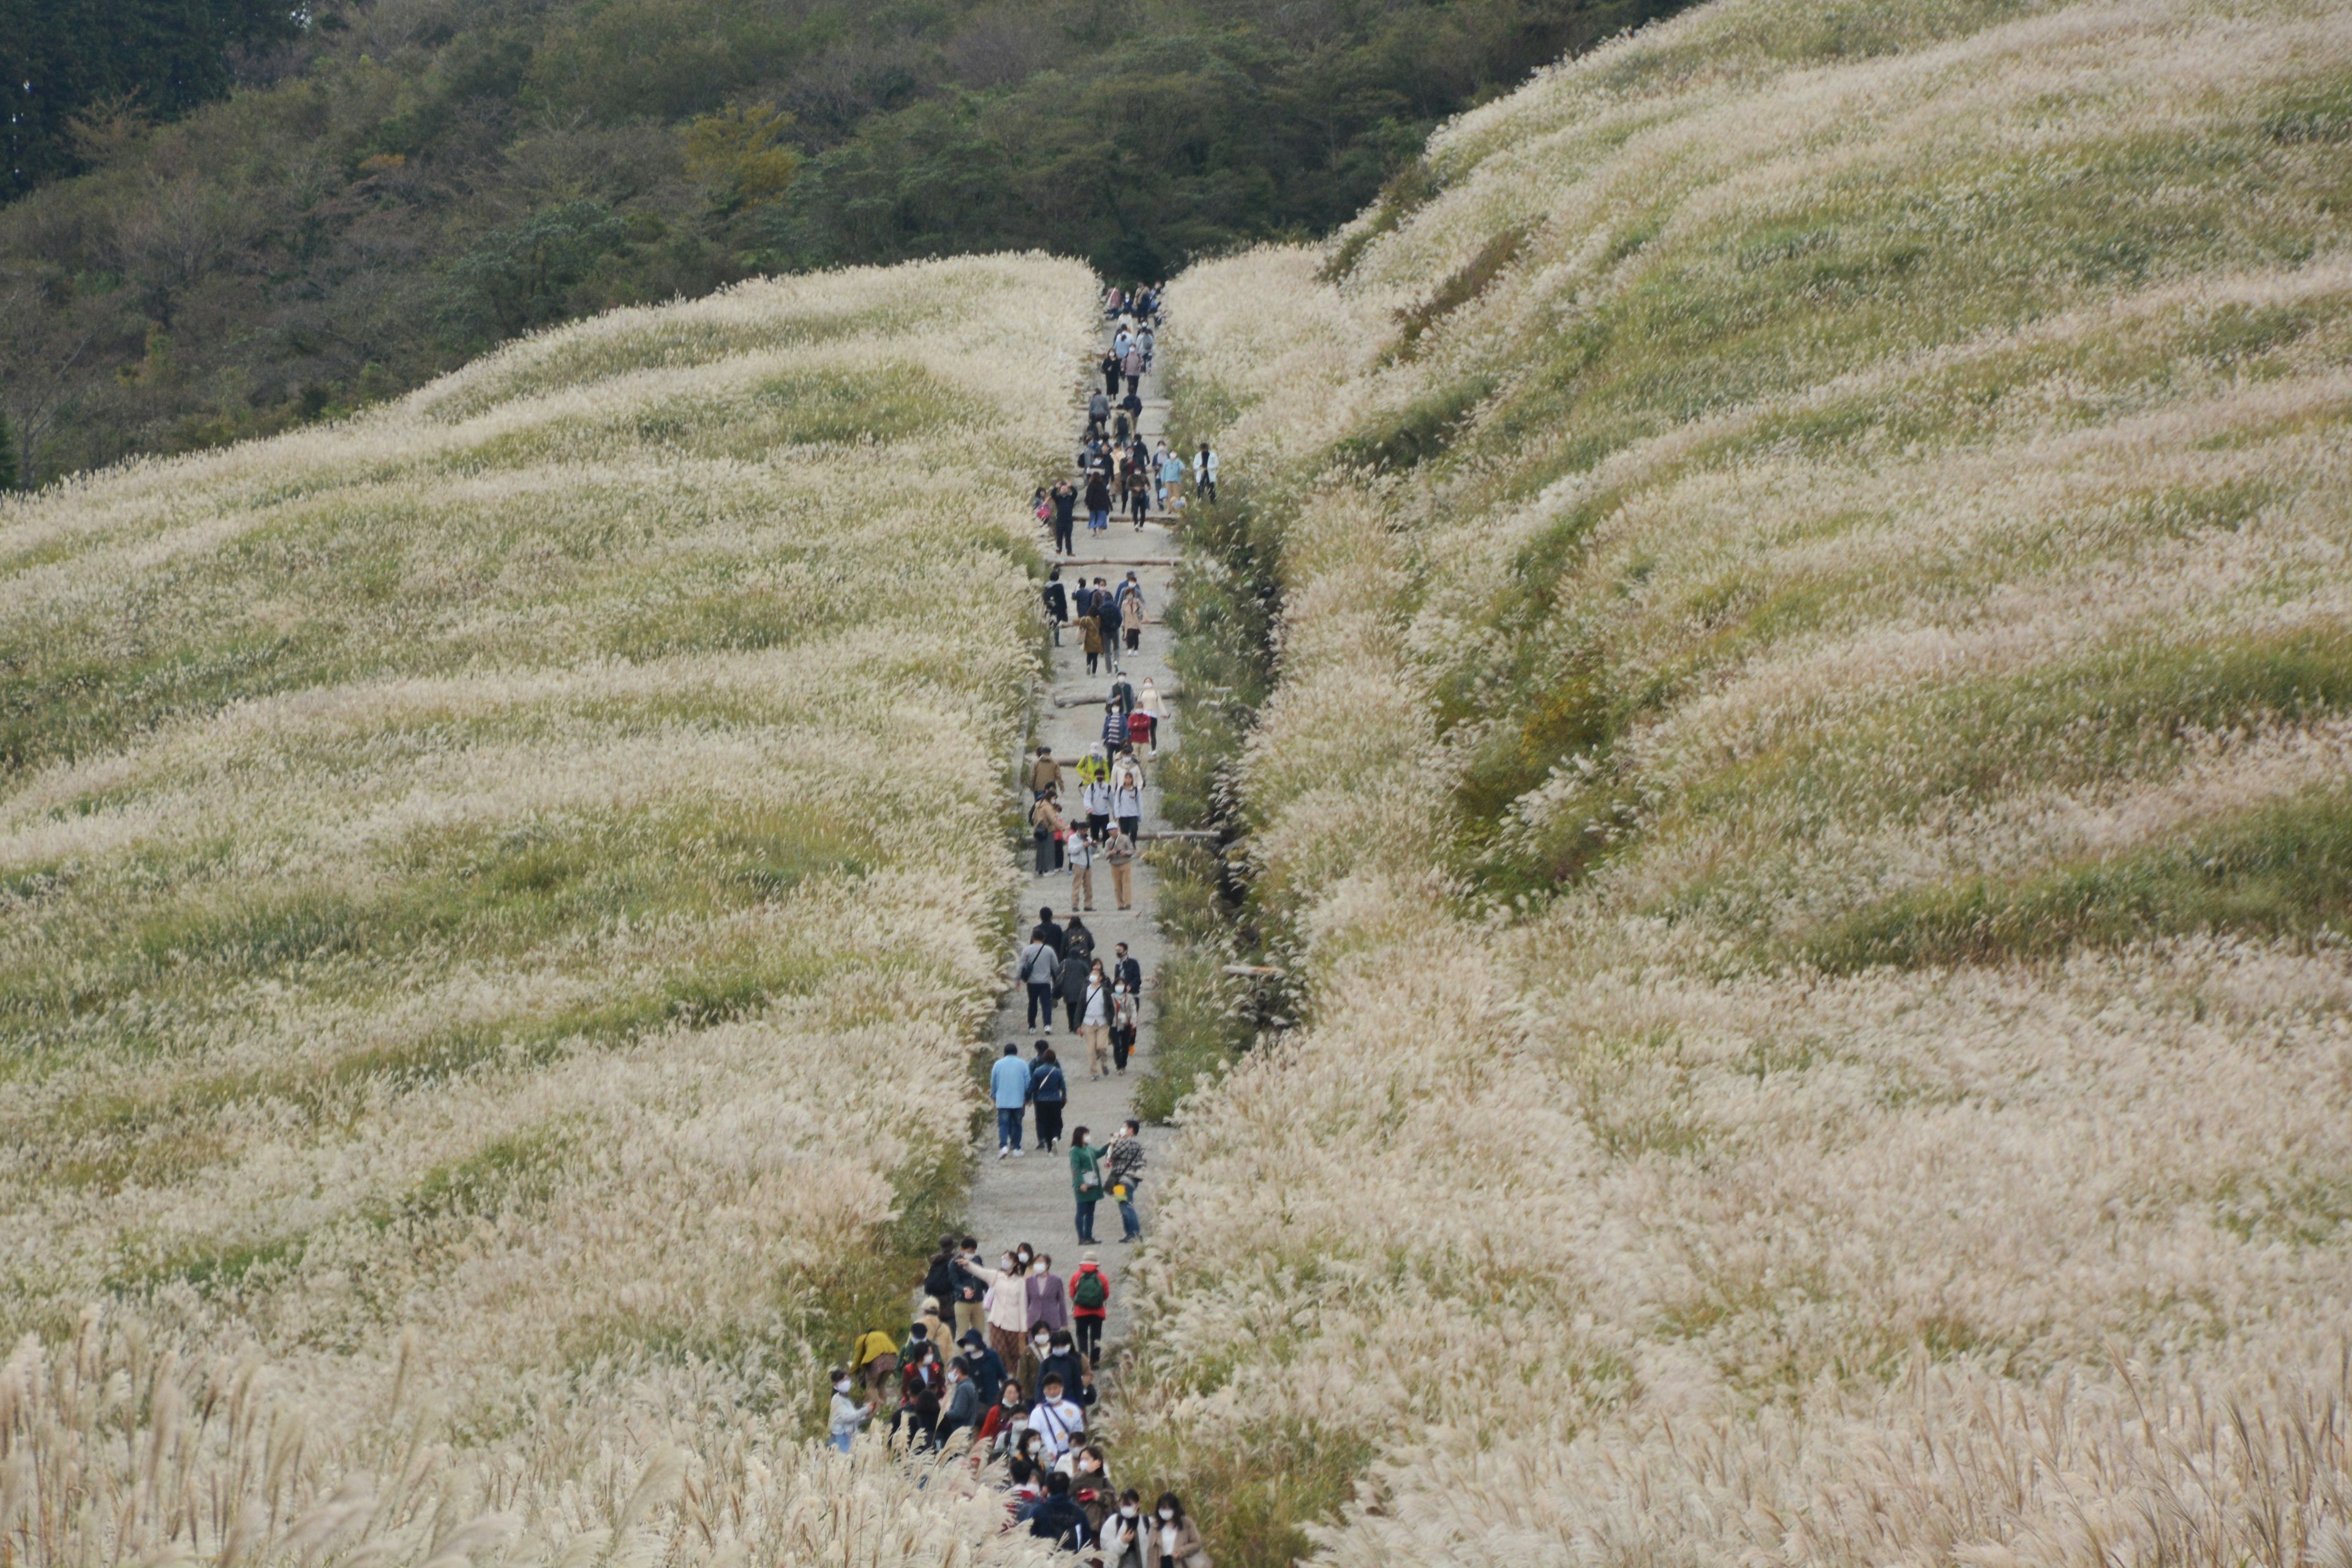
(1018, 1153)
(1001, 1150)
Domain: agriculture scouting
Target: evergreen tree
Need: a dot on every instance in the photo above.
(10, 475)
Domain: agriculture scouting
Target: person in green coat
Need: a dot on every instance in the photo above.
(1085, 1182)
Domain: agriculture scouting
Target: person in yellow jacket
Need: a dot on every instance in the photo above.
(876, 1359)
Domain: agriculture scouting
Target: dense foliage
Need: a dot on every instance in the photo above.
(401, 183)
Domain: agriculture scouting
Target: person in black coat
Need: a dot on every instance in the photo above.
(1059, 1518)
(1046, 932)
(1065, 508)
(1107, 611)
(984, 1366)
(1050, 1091)
(1058, 602)
(1127, 971)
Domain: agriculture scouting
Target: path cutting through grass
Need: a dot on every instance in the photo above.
(1030, 1199)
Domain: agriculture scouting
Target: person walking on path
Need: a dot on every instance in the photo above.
(1044, 773)
(1089, 1298)
(848, 1417)
(1110, 368)
(1039, 968)
(1094, 791)
(1078, 945)
(1172, 1540)
(1123, 1016)
(1097, 504)
(1057, 604)
(1204, 473)
(1127, 795)
(1132, 367)
(1080, 853)
(1108, 612)
(1052, 935)
(1046, 827)
(969, 1287)
(1049, 1090)
(1008, 1084)
(1094, 1021)
(1059, 1518)
(1072, 979)
(1058, 1421)
(1065, 498)
(1118, 853)
(1086, 1184)
(1121, 1537)
(1129, 600)
(1090, 637)
(1123, 1157)
(1007, 1305)
(1048, 1298)
(979, 1359)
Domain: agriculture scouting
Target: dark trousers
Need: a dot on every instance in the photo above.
(1049, 1122)
(1110, 382)
(1131, 382)
(1086, 1333)
(1041, 1002)
(1045, 856)
(1074, 1004)
(1134, 638)
(1086, 1221)
(1063, 528)
(1129, 825)
(1099, 823)
(1122, 1041)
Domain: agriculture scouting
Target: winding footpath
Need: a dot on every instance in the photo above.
(1030, 1199)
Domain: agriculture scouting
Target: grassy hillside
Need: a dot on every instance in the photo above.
(1807, 796)
(393, 186)
(495, 895)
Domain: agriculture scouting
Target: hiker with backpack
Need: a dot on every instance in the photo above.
(1089, 1303)
(1086, 1186)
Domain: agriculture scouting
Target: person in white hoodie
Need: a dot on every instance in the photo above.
(849, 1417)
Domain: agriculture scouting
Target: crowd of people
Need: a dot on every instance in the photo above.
(1017, 1385)
(998, 1369)
(1120, 473)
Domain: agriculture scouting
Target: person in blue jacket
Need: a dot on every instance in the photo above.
(1008, 1085)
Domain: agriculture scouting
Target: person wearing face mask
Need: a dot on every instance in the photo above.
(1006, 1418)
(1048, 1297)
(1006, 1305)
(1121, 1534)
(1171, 1541)
(1064, 1360)
(849, 1417)
(1058, 1423)
(1090, 1489)
(963, 1406)
(982, 1365)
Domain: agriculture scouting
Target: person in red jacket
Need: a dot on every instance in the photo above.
(1089, 1303)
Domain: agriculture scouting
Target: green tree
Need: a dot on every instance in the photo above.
(10, 475)
(741, 156)
(521, 275)
(59, 58)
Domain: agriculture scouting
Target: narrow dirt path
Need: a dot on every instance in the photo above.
(1029, 1199)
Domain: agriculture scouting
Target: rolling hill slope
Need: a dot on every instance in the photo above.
(1805, 796)
(495, 899)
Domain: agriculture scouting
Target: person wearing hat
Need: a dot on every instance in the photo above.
(1089, 1304)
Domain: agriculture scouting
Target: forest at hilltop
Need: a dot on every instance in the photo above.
(225, 218)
